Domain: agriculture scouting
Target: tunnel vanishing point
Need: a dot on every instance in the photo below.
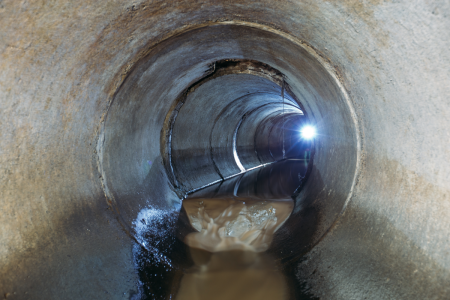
(108, 107)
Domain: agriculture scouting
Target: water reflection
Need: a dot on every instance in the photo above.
(232, 275)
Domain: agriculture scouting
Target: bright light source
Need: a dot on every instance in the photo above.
(308, 132)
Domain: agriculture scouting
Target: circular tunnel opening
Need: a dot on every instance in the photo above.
(218, 110)
(238, 118)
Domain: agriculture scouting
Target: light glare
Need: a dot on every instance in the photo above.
(308, 132)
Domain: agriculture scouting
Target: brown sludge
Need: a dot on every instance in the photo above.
(229, 247)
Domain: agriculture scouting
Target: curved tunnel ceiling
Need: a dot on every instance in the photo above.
(204, 133)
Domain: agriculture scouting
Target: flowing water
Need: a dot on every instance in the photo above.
(220, 244)
(228, 249)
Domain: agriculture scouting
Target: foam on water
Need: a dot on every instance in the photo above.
(233, 224)
(154, 230)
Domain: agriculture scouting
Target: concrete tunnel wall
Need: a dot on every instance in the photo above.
(188, 132)
(381, 76)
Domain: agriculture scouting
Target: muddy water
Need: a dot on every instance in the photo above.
(228, 249)
(234, 224)
(224, 241)
(233, 275)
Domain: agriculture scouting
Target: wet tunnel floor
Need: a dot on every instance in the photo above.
(219, 245)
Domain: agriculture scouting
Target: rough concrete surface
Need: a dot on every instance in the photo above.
(86, 88)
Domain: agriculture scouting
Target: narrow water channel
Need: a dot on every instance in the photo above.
(222, 244)
(229, 249)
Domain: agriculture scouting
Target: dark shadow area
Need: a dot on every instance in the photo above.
(161, 266)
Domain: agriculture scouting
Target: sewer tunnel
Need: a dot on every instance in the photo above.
(117, 108)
